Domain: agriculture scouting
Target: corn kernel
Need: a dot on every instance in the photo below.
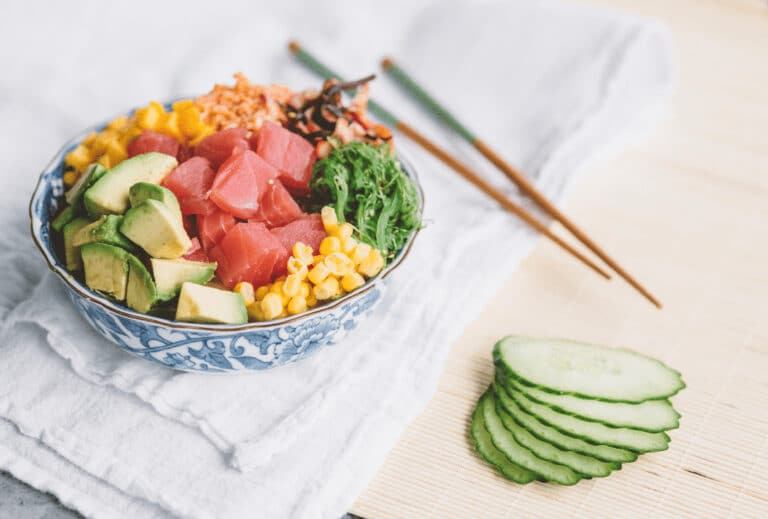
(339, 264)
(69, 178)
(348, 246)
(352, 281)
(311, 300)
(302, 252)
(271, 305)
(327, 289)
(330, 244)
(261, 292)
(284, 313)
(296, 266)
(255, 312)
(296, 305)
(277, 288)
(316, 260)
(371, 265)
(362, 251)
(344, 231)
(318, 274)
(304, 289)
(245, 289)
(291, 285)
(280, 278)
(118, 123)
(330, 221)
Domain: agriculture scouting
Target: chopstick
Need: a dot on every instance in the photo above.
(525, 185)
(388, 118)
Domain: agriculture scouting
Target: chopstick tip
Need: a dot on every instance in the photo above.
(387, 62)
(293, 46)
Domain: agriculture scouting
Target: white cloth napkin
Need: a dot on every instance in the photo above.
(550, 85)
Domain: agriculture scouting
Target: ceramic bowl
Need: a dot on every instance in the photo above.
(207, 348)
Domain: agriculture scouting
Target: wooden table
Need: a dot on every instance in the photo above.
(687, 212)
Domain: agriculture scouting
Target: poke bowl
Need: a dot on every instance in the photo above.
(217, 346)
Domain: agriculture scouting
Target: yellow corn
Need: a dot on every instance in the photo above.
(352, 281)
(255, 312)
(362, 251)
(261, 292)
(69, 178)
(296, 266)
(339, 264)
(311, 300)
(318, 273)
(327, 289)
(329, 245)
(330, 221)
(302, 252)
(348, 246)
(245, 289)
(271, 305)
(304, 289)
(277, 288)
(371, 265)
(316, 260)
(296, 305)
(291, 285)
(344, 231)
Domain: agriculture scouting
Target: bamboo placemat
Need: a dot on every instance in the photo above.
(695, 198)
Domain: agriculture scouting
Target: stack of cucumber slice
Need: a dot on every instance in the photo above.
(563, 411)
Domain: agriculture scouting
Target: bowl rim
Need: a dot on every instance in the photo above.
(55, 265)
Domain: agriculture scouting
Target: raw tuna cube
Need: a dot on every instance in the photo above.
(248, 252)
(153, 141)
(308, 230)
(277, 207)
(218, 147)
(292, 155)
(240, 183)
(213, 227)
(191, 182)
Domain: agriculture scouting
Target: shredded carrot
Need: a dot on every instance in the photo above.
(244, 105)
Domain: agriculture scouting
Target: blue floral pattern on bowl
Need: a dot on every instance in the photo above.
(204, 348)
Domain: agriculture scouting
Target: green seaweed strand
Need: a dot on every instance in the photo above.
(366, 186)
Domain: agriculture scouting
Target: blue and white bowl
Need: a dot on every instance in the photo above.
(208, 348)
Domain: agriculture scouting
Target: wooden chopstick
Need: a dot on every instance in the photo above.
(388, 118)
(525, 185)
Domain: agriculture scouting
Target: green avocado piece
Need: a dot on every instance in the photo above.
(141, 292)
(63, 218)
(201, 304)
(170, 274)
(86, 180)
(156, 229)
(109, 194)
(106, 268)
(145, 191)
(104, 230)
(71, 252)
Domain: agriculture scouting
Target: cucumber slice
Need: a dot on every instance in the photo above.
(651, 415)
(586, 370)
(594, 432)
(585, 465)
(516, 453)
(494, 456)
(555, 437)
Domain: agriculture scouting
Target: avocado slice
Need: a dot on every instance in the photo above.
(86, 180)
(156, 229)
(72, 256)
(63, 218)
(170, 274)
(201, 304)
(104, 230)
(145, 191)
(141, 292)
(106, 268)
(109, 194)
